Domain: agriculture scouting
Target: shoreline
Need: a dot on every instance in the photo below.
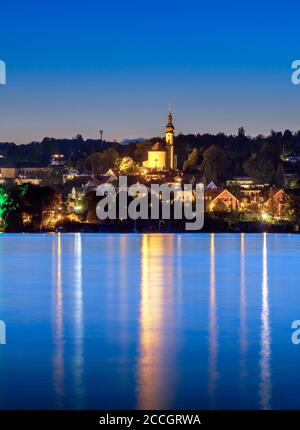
(131, 232)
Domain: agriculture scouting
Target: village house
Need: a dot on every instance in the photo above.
(277, 202)
(245, 183)
(220, 200)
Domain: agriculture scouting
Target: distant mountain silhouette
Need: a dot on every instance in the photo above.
(137, 139)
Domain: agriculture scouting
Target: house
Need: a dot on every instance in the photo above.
(250, 193)
(57, 160)
(220, 200)
(75, 197)
(80, 188)
(277, 201)
(245, 182)
(111, 174)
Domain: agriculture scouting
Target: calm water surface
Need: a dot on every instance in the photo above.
(149, 321)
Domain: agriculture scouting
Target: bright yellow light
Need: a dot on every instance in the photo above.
(264, 215)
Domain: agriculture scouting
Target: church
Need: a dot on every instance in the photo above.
(161, 156)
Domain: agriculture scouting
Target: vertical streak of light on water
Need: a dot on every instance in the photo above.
(213, 326)
(243, 313)
(59, 373)
(155, 377)
(78, 314)
(265, 337)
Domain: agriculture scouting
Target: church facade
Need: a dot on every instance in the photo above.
(161, 156)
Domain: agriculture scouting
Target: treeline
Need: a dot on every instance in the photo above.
(221, 157)
(217, 157)
(36, 206)
(39, 153)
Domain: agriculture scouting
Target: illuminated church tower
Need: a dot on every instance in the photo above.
(161, 156)
(171, 162)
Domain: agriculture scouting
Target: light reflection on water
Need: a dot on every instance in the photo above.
(243, 313)
(155, 373)
(59, 332)
(265, 342)
(78, 323)
(149, 321)
(213, 327)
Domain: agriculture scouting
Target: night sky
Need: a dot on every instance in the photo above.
(78, 67)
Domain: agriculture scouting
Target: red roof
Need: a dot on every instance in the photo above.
(158, 146)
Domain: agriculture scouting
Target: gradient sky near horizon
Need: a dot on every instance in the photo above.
(78, 67)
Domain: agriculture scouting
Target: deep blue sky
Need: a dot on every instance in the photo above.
(77, 67)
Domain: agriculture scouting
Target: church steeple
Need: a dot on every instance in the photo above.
(170, 142)
(170, 128)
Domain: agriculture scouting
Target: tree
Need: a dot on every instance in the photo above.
(8, 204)
(90, 203)
(54, 177)
(262, 166)
(279, 176)
(78, 137)
(141, 150)
(41, 204)
(100, 162)
(192, 160)
(260, 169)
(220, 206)
(215, 165)
(241, 132)
(126, 165)
(295, 206)
(94, 162)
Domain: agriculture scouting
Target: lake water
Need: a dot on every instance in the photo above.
(149, 321)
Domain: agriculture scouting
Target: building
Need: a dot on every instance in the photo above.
(157, 158)
(23, 172)
(266, 202)
(220, 200)
(58, 160)
(82, 176)
(81, 187)
(8, 172)
(170, 143)
(32, 181)
(74, 202)
(245, 183)
(250, 193)
(277, 202)
(161, 156)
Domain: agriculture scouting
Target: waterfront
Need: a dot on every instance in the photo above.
(149, 321)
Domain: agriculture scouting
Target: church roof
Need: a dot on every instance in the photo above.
(158, 146)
